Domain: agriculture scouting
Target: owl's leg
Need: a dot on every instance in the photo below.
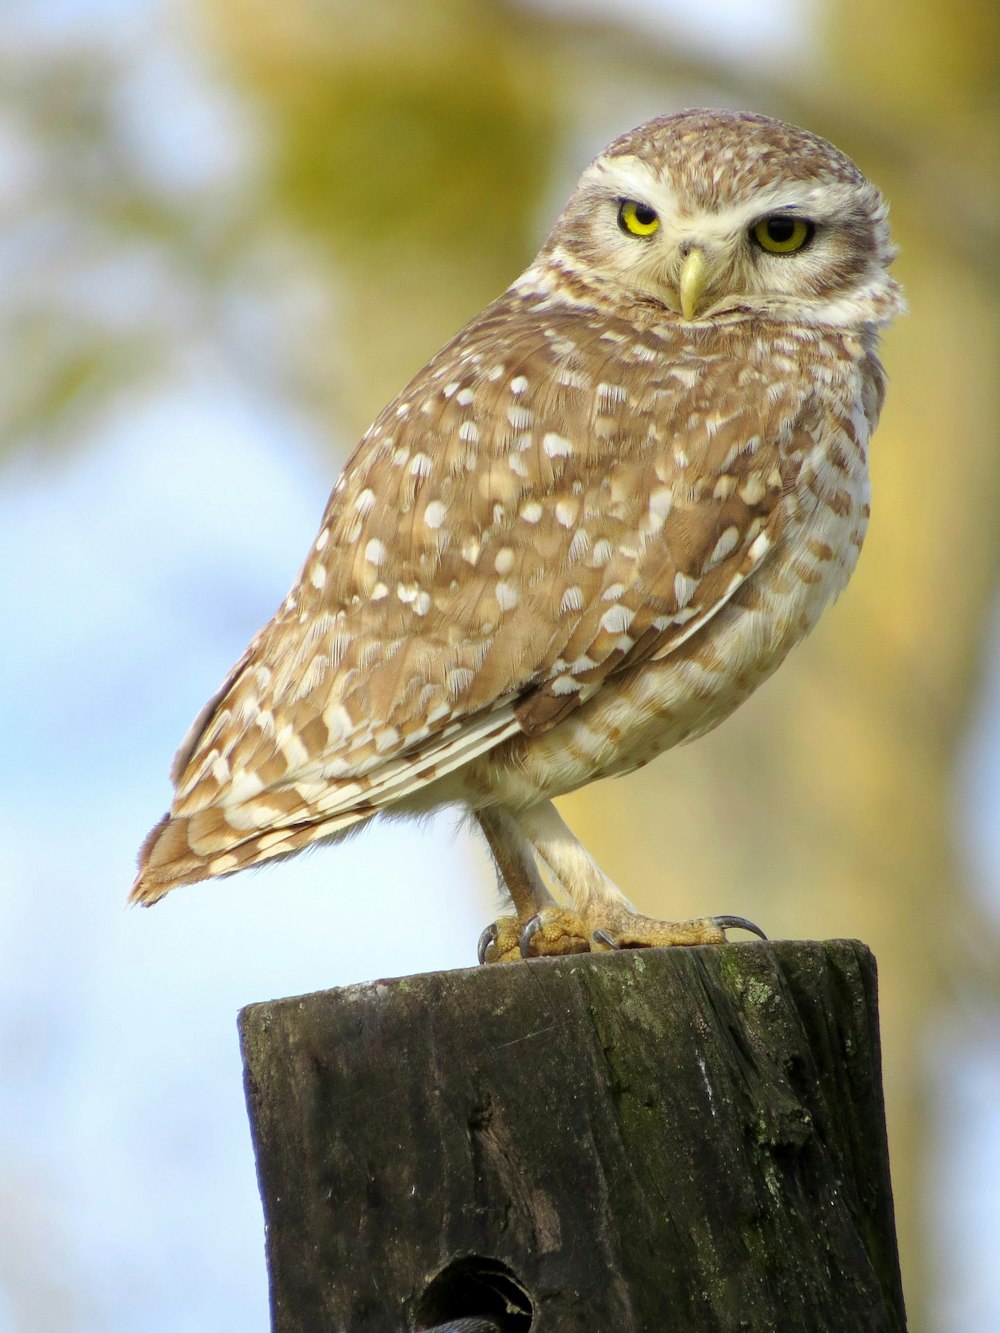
(506, 939)
(610, 919)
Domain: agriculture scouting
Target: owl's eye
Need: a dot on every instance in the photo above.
(637, 219)
(782, 234)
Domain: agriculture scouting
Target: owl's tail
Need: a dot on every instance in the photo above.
(183, 849)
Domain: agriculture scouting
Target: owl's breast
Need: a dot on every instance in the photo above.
(642, 710)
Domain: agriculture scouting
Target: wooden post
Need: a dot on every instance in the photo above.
(678, 1139)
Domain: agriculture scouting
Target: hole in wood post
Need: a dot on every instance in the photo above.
(474, 1295)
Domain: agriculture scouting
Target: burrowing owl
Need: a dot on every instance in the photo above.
(584, 532)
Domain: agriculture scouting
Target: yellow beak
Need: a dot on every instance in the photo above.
(693, 278)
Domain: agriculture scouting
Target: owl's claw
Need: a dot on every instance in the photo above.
(499, 941)
(738, 923)
(530, 930)
(488, 937)
(553, 932)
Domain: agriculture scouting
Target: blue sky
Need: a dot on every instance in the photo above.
(124, 1105)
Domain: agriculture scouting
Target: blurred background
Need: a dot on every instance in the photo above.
(229, 231)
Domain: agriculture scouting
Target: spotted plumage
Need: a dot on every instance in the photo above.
(583, 533)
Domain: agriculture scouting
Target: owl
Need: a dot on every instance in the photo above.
(583, 533)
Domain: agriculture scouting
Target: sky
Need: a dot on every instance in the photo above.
(124, 1105)
(130, 590)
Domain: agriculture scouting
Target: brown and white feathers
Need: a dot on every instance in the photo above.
(588, 527)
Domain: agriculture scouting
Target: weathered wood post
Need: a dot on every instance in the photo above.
(683, 1139)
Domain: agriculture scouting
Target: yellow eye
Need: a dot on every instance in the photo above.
(782, 234)
(637, 219)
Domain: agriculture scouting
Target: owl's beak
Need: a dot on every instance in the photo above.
(694, 275)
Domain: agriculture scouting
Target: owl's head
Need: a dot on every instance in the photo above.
(716, 214)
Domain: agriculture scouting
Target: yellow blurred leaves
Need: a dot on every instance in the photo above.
(411, 141)
(398, 129)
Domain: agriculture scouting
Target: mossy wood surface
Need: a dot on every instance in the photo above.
(680, 1139)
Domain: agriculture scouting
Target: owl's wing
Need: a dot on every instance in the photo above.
(554, 498)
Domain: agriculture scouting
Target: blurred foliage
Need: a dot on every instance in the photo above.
(397, 176)
(412, 140)
(108, 272)
(402, 125)
(60, 367)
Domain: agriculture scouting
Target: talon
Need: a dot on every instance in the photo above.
(603, 937)
(531, 929)
(738, 923)
(488, 937)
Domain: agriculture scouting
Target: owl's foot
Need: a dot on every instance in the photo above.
(602, 918)
(541, 927)
(610, 921)
(556, 931)
(550, 933)
(622, 929)
(500, 942)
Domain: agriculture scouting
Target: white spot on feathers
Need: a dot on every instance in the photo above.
(724, 546)
(507, 596)
(564, 685)
(434, 514)
(616, 618)
(580, 544)
(684, 588)
(557, 446)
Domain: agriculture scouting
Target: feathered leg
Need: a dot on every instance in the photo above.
(513, 937)
(607, 917)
